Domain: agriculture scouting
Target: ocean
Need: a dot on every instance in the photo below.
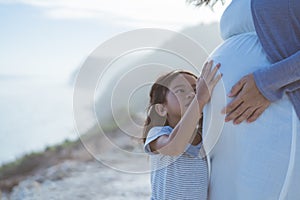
(36, 111)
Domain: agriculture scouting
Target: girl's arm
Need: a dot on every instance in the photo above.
(175, 143)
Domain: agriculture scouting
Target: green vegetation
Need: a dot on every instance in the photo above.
(26, 164)
(29, 161)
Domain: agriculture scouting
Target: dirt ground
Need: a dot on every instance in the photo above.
(89, 180)
(111, 166)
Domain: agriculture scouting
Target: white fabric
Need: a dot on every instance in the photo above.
(256, 160)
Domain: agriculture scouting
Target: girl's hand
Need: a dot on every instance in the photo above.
(206, 83)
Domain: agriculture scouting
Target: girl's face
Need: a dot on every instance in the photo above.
(180, 95)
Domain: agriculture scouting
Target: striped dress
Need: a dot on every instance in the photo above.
(183, 177)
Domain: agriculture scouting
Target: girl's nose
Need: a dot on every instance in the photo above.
(191, 94)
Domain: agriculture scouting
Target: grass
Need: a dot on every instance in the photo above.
(13, 172)
(25, 163)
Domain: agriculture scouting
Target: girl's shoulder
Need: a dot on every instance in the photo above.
(158, 130)
(154, 133)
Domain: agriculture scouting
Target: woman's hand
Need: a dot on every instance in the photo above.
(248, 103)
(206, 82)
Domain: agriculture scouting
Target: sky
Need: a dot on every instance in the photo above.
(53, 37)
(42, 44)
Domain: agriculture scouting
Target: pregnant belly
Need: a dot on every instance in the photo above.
(239, 55)
(239, 152)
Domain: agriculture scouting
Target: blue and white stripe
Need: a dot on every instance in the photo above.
(183, 177)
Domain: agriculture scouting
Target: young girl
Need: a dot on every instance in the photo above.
(172, 134)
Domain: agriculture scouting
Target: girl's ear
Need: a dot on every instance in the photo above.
(161, 110)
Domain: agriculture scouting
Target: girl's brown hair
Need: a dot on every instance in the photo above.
(158, 95)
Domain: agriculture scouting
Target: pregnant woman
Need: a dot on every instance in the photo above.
(258, 159)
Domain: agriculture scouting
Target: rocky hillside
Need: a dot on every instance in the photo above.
(69, 171)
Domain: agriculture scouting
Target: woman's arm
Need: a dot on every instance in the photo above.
(280, 77)
(175, 143)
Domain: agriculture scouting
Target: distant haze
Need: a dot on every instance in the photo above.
(123, 90)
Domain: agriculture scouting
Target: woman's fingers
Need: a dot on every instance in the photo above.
(233, 105)
(256, 114)
(238, 111)
(237, 87)
(247, 96)
(244, 116)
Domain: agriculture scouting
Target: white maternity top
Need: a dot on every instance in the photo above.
(249, 161)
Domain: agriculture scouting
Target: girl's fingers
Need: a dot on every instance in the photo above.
(206, 69)
(209, 75)
(213, 73)
(209, 66)
(215, 81)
